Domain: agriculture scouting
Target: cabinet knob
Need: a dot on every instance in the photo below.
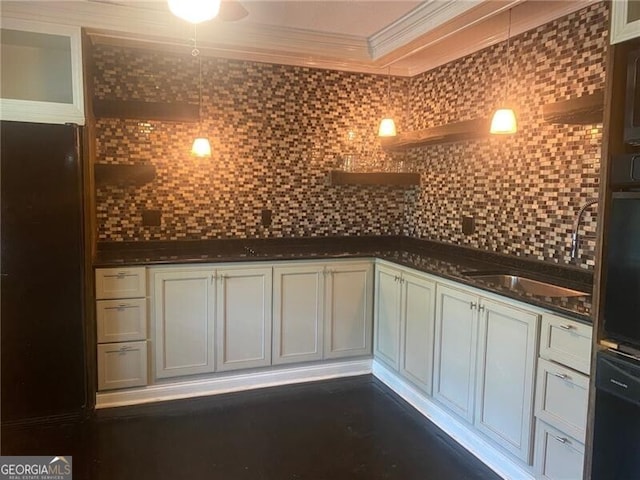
(481, 308)
(473, 305)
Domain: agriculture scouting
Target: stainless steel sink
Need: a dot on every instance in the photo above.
(529, 285)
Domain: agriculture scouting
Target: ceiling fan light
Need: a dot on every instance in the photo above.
(504, 122)
(201, 147)
(387, 128)
(195, 11)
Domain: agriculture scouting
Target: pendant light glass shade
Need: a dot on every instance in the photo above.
(195, 11)
(387, 128)
(504, 122)
(504, 119)
(201, 147)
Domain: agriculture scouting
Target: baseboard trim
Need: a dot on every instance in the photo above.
(233, 383)
(498, 462)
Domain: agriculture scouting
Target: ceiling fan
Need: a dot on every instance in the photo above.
(196, 11)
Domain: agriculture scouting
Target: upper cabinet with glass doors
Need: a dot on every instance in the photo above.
(41, 78)
(625, 20)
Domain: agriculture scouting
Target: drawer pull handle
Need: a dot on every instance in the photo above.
(563, 376)
(125, 349)
(121, 275)
(618, 383)
(566, 326)
(561, 439)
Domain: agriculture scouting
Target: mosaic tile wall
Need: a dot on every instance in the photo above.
(523, 190)
(275, 130)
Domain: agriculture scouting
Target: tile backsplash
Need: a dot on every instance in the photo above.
(523, 190)
(277, 130)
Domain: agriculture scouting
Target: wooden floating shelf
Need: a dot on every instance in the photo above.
(133, 109)
(582, 110)
(339, 177)
(452, 132)
(113, 174)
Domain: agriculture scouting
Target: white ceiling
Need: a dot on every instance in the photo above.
(354, 17)
(355, 35)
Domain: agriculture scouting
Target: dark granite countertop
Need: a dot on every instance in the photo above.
(447, 261)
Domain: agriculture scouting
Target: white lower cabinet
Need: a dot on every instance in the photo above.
(404, 318)
(558, 456)
(243, 318)
(506, 375)
(456, 343)
(298, 313)
(122, 365)
(183, 312)
(562, 397)
(348, 321)
(485, 352)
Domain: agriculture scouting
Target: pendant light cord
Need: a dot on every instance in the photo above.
(196, 53)
(389, 90)
(506, 94)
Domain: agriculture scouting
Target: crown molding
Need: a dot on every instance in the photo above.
(492, 30)
(421, 20)
(431, 35)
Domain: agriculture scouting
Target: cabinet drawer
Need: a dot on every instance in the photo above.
(121, 320)
(557, 456)
(561, 398)
(120, 283)
(566, 341)
(122, 365)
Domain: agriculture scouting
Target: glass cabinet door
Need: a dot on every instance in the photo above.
(625, 20)
(41, 77)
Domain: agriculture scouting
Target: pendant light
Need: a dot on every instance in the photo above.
(387, 126)
(201, 146)
(195, 11)
(504, 119)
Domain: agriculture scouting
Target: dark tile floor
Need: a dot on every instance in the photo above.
(353, 428)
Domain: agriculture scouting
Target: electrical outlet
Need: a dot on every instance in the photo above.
(468, 225)
(267, 217)
(151, 218)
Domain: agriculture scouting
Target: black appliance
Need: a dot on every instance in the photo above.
(632, 100)
(42, 258)
(622, 292)
(616, 444)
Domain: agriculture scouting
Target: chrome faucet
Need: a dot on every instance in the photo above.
(575, 236)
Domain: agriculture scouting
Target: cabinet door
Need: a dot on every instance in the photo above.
(243, 320)
(625, 20)
(298, 313)
(506, 376)
(418, 315)
(122, 365)
(348, 309)
(558, 456)
(41, 68)
(388, 294)
(562, 397)
(456, 336)
(566, 341)
(183, 315)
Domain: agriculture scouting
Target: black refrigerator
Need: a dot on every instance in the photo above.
(42, 285)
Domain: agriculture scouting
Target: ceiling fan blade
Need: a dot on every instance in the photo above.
(232, 11)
